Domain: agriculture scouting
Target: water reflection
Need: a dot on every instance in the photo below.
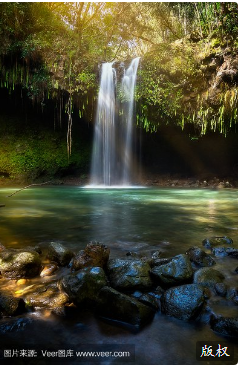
(125, 219)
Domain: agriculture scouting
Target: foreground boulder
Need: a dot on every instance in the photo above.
(95, 254)
(216, 241)
(85, 285)
(45, 296)
(10, 305)
(59, 253)
(16, 264)
(227, 326)
(199, 257)
(178, 270)
(208, 277)
(183, 302)
(122, 308)
(129, 274)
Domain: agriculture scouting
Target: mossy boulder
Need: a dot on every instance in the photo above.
(129, 274)
(178, 270)
(85, 285)
(17, 264)
(119, 307)
(184, 302)
(45, 296)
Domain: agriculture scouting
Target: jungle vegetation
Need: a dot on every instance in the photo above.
(52, 52)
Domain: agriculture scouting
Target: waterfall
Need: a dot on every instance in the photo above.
(112, 146)
(128, 86)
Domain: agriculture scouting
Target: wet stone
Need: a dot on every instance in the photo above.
(129, 274)
(10, 305)
(221, 251)
(123, 308)
(178, 270)
(199, 257)
(184, 302)
(227, 326)
(208, 277)
(95, 254)
(59, 253)
(216, 241)
(16, 264)
(84, 285)
(221, 289)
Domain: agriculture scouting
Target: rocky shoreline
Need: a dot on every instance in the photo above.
(128, 291)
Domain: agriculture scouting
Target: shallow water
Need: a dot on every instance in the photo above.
(142, 220)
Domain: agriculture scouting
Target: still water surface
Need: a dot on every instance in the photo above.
(145, 220)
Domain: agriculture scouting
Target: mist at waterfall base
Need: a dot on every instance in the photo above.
(113, 163)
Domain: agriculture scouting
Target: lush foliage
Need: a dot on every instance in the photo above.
(54, 50)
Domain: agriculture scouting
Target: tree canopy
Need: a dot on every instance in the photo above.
(53, 50)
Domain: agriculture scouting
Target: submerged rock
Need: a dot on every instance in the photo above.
(199, 257)
(84, 285)
(10, 305)
(184, 302)
(59, 253)
(221, 289)
(95, 254)
(227, 326)
(120, 307)
(208, 277)
(178, 270)
(216, 241)
(221, 251)
(16, 264)
(129, 274)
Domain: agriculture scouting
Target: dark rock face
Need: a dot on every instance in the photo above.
(216, 241)
(19, 264)
(147, 299)
(129, 274)
(46, 296)
(184, 302)
(199, 257)
(95, 254)
(232, 294)
(59, 253)
(178, 270)
(208, 277)
(120, 307)
(227, 326)
(84, 285)
(10, 306)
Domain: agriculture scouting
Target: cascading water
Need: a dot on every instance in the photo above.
(103, 158)
(112, 147)
(128, 85)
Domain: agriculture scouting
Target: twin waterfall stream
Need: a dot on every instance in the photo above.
(112, 156)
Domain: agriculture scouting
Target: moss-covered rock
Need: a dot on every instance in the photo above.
(17, 264)
(84, 285)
